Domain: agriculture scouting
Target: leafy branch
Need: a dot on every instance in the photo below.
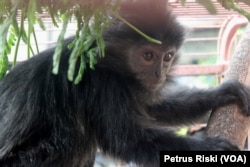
(136, 29)
(227, 4)
(232, 5)
(92, 18)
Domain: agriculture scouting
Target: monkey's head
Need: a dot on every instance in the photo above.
(130, 54)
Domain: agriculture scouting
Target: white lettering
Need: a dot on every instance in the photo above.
(177, 159)
(202, 158)
(232, 158)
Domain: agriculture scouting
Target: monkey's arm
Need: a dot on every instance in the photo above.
(187, 106)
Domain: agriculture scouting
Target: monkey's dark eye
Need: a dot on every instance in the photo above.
(168, 56)
(148, 56)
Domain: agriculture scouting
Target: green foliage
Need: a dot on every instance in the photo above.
(232, 5)
(3, 66)
(92, 17)
(4, 47)
(227, 4)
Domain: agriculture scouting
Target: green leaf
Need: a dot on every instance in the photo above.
(4, 65)
(4, 47)
(59, 47)
(41, 24)
(81, 70)
(92, 58)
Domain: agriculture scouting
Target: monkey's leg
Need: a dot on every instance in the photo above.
(143, 146)
(55, 150)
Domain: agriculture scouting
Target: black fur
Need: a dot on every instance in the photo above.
(48, 121)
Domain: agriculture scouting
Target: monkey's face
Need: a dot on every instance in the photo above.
(151, 64)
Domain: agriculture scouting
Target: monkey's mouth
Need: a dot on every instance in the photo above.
(152, 86)
(151, 83)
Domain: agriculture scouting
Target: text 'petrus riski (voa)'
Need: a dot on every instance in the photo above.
(169, 158)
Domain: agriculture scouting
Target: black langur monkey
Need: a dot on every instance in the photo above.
(119, 107)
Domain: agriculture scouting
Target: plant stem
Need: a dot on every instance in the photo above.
(136, 29)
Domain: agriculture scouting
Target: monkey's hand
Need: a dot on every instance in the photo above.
(216, 144)
(233, 91)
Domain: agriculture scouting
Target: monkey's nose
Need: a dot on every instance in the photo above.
(158, 73)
